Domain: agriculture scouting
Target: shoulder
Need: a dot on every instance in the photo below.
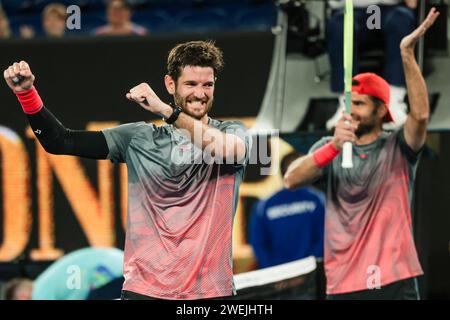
(139, 30)
(396, 138)
(411, 155)
(259, 208)
(314, 193)
(283, 196)
(229, 124)
(101, 30)
(130, 128)
(321, 142)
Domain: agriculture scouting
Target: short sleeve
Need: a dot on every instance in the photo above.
(238, 129)
(411, 155)
(323, 141)
(118, 140)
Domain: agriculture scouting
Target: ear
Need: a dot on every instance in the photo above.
(170, 84)
(382, 111)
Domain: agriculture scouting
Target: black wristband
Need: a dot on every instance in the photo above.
(174, 116)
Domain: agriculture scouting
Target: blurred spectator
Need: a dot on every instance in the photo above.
(73, 277)
(26, 32)
(397, 20)
(289, 225)
(108, 291)
(54, 20)
(5, 31)
(119, 21)
(18, 289)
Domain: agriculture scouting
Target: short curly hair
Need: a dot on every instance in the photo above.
(194, 53)
(11, 287)
(56, 9)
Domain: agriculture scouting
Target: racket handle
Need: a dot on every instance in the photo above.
(347, 155)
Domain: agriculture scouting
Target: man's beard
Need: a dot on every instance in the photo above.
(366, 126)
(182, 102)
(364, 129)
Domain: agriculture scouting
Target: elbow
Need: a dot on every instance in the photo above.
(292, 177)
(422, 117)
(288, 181)
(52, 148)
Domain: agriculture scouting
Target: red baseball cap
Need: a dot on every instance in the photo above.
(375, 86)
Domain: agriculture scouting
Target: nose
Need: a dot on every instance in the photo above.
(199, 93)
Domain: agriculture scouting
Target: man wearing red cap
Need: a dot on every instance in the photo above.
(394, 19)
(369, 247)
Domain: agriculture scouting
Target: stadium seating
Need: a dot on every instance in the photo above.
(157, 15)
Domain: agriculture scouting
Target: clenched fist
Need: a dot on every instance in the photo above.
(345, 131)
(19, 76)
(147, 99)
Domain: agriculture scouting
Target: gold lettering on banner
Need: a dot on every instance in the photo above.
(17, 218)
(94, 212)
(46, 242)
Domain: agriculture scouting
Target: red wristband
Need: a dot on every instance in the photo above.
(325, 154)
(30, 100)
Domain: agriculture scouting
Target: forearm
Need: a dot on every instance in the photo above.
(301, 172)
(308, 168)
(219, 145)
(417, 90)
(57, 139)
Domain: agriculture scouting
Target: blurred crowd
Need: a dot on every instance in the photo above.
(54, 15)
(44, 18)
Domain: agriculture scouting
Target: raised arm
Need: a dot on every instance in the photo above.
(218, 144)
(415, 128)
(302, 171)
(309, 168)
(51, 133)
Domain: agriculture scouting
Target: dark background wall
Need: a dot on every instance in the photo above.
(432, 216)
(92, 75)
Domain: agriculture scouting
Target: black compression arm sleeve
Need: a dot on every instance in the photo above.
(57, 139)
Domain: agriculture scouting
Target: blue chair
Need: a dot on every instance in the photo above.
(39, 5)
(14, 6)
(33, 20)
(90, 21)
(157, 20)
(256, 17)
(202, 20)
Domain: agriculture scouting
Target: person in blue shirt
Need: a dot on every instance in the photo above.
(289, 225)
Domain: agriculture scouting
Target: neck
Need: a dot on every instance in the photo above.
(369, 137)
(204, 119)
(120, 25)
